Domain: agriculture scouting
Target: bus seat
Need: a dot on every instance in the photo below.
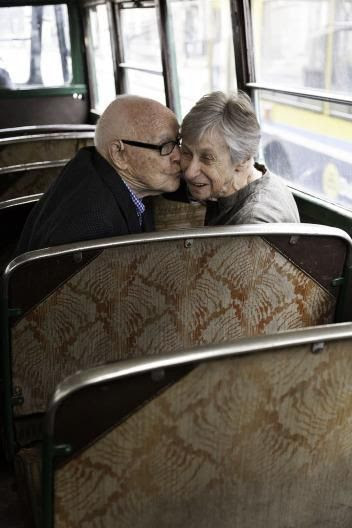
(29, 163)
(169, 214)
(13, 214)
(45, 129)
(248, 434)
(85, 304)
(25, 179)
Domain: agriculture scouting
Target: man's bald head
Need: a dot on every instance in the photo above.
(143, 169)
(130, 117)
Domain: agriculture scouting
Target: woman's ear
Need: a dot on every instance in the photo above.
(239, 167)
(117, 154)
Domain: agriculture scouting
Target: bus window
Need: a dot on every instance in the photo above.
(101, 70)
(307, 140)
(35, 48)
(283, 49)
(203, 47)
(141, 54)
(342, 58)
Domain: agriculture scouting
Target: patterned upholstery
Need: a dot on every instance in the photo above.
(28, 470)
(154, 297)
(175, 215)
(34, 180)
(32, 150)
(252, 441)
(25, 183)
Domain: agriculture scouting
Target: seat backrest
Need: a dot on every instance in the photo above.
(251, 434)
(42, 147)
(23, 180)
(29, 163)
(85, 304)
(13, 214)
(32, 130)
(169, 214)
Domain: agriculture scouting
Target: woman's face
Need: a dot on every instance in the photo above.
(207, 167)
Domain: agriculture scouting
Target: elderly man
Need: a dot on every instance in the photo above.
(100, 192)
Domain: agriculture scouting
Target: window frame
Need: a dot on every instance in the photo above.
(246, 81)
(77, 87)
(94, 113)
(245, 65)
(168, 70)
(121, 66)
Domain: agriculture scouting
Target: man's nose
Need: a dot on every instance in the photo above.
(176, 154)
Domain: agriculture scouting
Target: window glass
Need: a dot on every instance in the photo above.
(35, 47)
(140, 37)
(312, 150)
(341, 44)
(145, 84)
(304, 44)
(101, 64)
(203, 47)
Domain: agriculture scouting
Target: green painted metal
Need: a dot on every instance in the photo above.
(40, 92)
(338, 281)
(78, 84)
(315, 210)
(49, 452)
(5, 357)
(47, 520)
(62, 449)
(12, 3)
(77, 48)
(14, 312)
(344, 303)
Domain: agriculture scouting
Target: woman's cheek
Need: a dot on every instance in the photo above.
(183, 164)
(218, 179)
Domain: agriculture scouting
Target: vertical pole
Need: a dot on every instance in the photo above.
(168, 56)
(62, 41)
(35, 76)
(243, 43)
(120, 79)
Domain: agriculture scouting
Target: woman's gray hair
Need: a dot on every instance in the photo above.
(232, 116)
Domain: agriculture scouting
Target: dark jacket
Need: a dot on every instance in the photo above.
(87, 201)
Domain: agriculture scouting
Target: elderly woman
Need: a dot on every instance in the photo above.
(220, 137)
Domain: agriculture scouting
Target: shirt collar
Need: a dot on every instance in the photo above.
(139, 205)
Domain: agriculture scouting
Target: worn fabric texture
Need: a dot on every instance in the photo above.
(156, 298)
(248, 442)
(40, 148)
(266, 200)
(87, 201)
(35, 179)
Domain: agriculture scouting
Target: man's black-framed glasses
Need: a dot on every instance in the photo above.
(165, 148)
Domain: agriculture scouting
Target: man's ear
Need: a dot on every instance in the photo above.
(117, 154)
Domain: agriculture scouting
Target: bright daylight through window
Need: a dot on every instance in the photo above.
(306, 46)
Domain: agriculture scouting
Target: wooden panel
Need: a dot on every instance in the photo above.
(310, 254)
(255, 441)
(106, 407)
(159, 298)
